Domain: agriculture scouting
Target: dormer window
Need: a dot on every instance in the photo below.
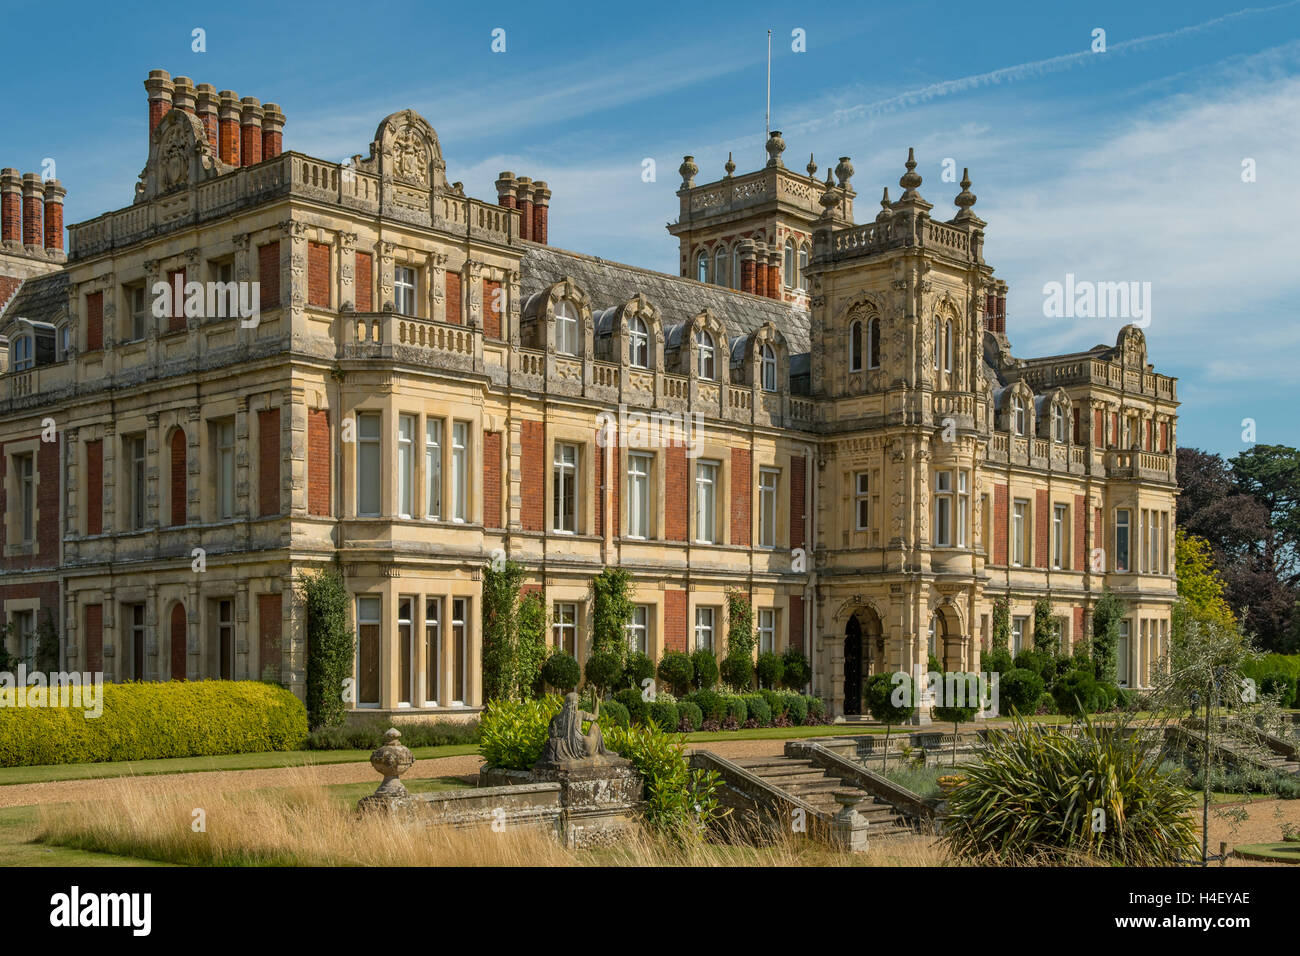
(769, 369)
(1019, 418)
(702, 267)
(704, 355)
(803, 267)
(24, 352)
(566, 328)
(1058, 424)
(638, 343)
(720, 266)
(790, 278)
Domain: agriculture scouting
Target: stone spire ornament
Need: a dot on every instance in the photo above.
(775, 147)
(811, 167)
(688, 169)
(886, 208)
(911, 179)
(729, 165)
(844, 172)
(830, 197)
(965, 199)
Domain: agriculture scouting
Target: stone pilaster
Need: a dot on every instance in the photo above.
(242, 668)
(293, 450)
(151, 472)
(151, 668)
(193, 466)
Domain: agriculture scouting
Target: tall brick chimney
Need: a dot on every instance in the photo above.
(272, 131)
(773, 274)
(11, 205)
(524, 187)
(506, 190)
(541, 205)
(54, 193)
(250, 129)
(32, 192)
(747, 266)
(760, 269)
(206, 105)
(228, 127)
(160, 88)
(183, 94)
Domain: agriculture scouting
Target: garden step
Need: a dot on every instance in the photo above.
(753, 764)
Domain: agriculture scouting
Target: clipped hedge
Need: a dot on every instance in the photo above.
(665, 714)
(690, 713)
(156, 720)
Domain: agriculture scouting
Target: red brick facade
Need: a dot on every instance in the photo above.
(268, 461)
(742, 494)
(94, 321)
(177, 485)
(94, 638)
(268, 274)
(1001, 501)
(675, 621)
(492, 480)
(365, 279)
(269, 629)
(1042, 529)
(318, 462)
(492, 303)
(47, 473)
(677, 495)
(532, 470)
(318, 274)
(798, 501)
(796, 621)
(453, 297)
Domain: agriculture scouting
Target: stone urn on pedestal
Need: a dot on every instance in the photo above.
(391, 761)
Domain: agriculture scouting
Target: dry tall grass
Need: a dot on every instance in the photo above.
(307, 826)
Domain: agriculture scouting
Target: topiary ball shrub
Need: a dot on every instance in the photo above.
(706, 669)
(736, 710)
(770, 670)
(561, 671)
(712, 704)
(796, 708)
(638, 669)
(738, 672)
(797, 669)
(603, 670)
(1046, 704)
(1018, 691)
(759, 711)
(638, 710)
(613, 713)
(1038, 662)
(690, 718)
(775, 702)
(1032, 797)
(996, 661)
(665, 714)
(816, 707)
(1079, 693)
(676, 672)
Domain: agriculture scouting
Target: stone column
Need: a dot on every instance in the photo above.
(150, 668)
(70, 654)
(193, 467)
(241, 632)
(243, 495)
(110, 458)
(109, 636)
(193, 639)
(294, 636)
(151, 470)
(293, 449)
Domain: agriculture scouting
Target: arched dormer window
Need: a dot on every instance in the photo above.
(855, 346)
(702, 266)
(1019, 416)
(873, 342)
(803, 267)
(638, 343)
(947, 346)
(1058, 423)
(769, 368)
(720, 266)
(704, 355)
(566, 328)
(790, 278)
(23, 352)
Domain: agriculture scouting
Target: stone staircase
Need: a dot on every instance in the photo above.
(1250, 749)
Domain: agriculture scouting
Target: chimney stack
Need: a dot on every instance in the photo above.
(774, 272)
(506, 190)
(228, 127)
(250, 128)
(183, 94)
(11, 205)
(54, 193)
(206, 104)
(525, 186)
(747, 271)
(32, 191)
(541, 204)
(272, 131)
(160, 88)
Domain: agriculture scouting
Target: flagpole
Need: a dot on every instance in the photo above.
(767, 114)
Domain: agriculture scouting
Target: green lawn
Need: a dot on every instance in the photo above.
(16, 851)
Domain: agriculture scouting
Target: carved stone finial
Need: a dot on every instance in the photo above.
(391, 760)
(688, 169)
(965, 199)
(911, 179)
(775, 147)
(811, 167)
(844, 172)
(886, 208)
(729, 166)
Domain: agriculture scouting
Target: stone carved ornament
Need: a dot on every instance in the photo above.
(179, 156)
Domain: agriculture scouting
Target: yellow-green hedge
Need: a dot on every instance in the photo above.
(148, 721)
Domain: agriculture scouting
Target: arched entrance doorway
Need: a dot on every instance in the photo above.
(853, 667)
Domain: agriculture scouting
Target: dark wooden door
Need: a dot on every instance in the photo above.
(853, 668)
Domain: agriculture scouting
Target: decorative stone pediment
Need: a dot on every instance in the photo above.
(407, 158)
(1132, 347)
(179, 157)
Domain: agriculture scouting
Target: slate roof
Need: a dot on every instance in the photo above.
(40, 299)
(610, 284)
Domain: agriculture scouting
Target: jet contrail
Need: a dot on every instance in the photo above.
(1011, 74)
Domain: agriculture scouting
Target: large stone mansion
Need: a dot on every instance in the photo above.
(425, 382)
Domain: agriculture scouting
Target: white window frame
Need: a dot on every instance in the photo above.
(1020, 418)
(1060, 528)
(638, 338)
(564, 488)
(705, 632)
(767, 630)
(370, 499)
(943, 509)
(1019, 529)
(638, 629)
(566, 328)
(432, 650)
(460, 472)
(768, 364)
(706, 501)
(769, 484)
(433, 468)
(405, 466)
(406, 288)
(705, 357)
(1018, 626)
(861, 501)
(24, 352)
(789, 278)
(564, 626)
(640, 469)
(702, 266)
(963, 507)
(406, 636)
(1058, 424)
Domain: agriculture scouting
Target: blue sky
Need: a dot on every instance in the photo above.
(1116, 166)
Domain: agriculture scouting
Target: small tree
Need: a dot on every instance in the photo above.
(677, 672)
(603, 670)
(890, 699)
(1001, 625)
(1047, 634)
(797, 669)
(706, 669)
(738, 666)
(330, 646)
(771, 669)
(561, 671)
(611, 612)
(954, 713)
(1106, 615)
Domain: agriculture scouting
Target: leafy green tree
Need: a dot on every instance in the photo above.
(738, 665)
(1047, 633)
(891, 699)
(1200, 584)
(531, 649)
(1106, 615)
(952, 711)
(330, 646)
(797, 670)
(1002, 625)
(611, 611)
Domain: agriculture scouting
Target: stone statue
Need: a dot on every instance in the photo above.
(568, 746)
